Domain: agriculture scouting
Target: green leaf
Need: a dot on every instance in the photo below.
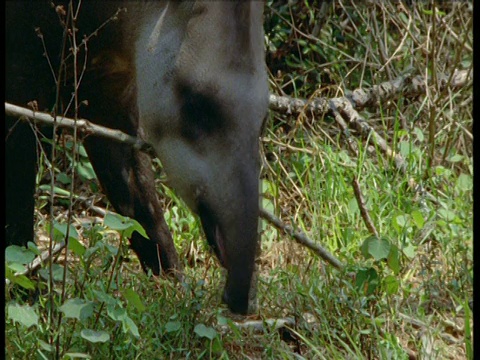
(378, 248)
(134, 299)
(419, 134)
(22, 314)
(76, 247)
(117, 314)
(76, 356)
(56, 190)
(57, 271)
(447, 215)
(23, 281)
(33, 248)
(456, 158)
(19, 254)
(123, 224)
(130, 326)
(366, 280)
(393, 259)
(401, 220)
(95, 336)
(60, 231)
(391, 284)
(45, 346)
(409, 251)
(86, 171)
(417, 218)
(205, 331)
(77, 308)
(15, 267)
(173, 326)
(222, 320)
(464, 182)
(64, 178)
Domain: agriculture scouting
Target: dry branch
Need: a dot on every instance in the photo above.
(406, 85)
(84, 126)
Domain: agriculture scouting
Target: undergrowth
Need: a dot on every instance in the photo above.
(406, 289)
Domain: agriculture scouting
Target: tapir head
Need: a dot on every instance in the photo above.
(202, 97)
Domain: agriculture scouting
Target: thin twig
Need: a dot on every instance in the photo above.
(84, 126)
(363, 210)
(301, 238)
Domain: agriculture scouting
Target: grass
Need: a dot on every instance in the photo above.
(412, 303)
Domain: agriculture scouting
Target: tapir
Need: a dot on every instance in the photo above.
(189, 77)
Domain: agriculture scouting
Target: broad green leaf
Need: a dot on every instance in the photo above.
(130, 326)
(464, 182)
(106, 298)
(76, 247)
(366, 280)
(393, 259)
(57, 272)
(95, 336)
(23, 281)
(391, 284)
(173, 326)
(447, 215)
(205, 331)
(64, 178)
(33, 247)
(60, 231)
(86, 171)
(77, 308)
(378, 248)
(417, 218)
(117, 314)
(134, 299)
(419, 134)
(222, 320)
(124, 224)
(401, 220)
(22, 314)
(19, 254)
(117, 222)
(456, 158)
(15, 267)
(409, 251)
(45, 346)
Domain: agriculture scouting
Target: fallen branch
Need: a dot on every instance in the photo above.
(405, 85)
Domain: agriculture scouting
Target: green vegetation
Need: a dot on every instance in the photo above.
(406, 289)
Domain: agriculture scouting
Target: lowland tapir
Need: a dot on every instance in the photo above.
(187, 76)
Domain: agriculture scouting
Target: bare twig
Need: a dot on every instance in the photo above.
(363, 210)
(301, 238)
(84, 126)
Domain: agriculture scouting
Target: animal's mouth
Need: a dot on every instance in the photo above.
(213, 231)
